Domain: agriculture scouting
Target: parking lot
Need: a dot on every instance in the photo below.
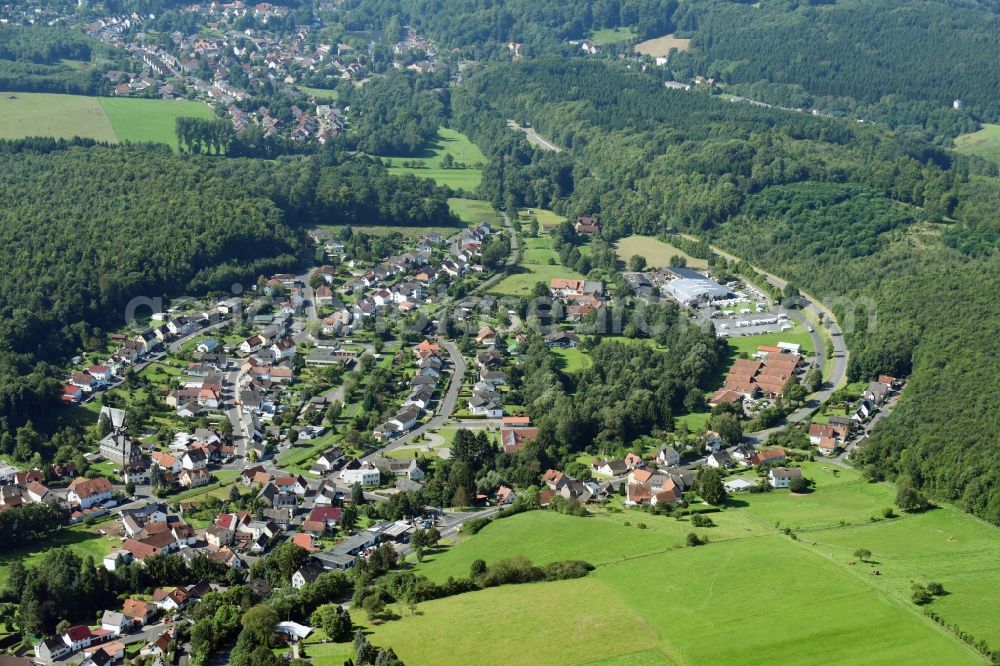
(752, 324)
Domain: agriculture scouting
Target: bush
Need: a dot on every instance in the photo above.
(641, 526)
(693, 540)
(699, 520)
(921, 596)
(475, 525)
(937, 589)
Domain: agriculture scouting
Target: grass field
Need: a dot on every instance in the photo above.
(661, 46)
(459, 147)
(656, 252)
(61, 116)
(985, 143)
(150, 119)
(473, 211)
(103, 118)
(521, 284)
(81, 539)
(749, 343)
(538, 251)
(318, 92)
(573, 359)
(612, 35)
(751, 595)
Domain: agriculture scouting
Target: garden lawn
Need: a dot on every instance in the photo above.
(612, 35)
(573, 359)
(150, 119)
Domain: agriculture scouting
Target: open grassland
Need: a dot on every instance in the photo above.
(60, 116)
(150, 119)
(102, 118)
(538, 250)
(768, 600)
(656, 252)
(748, 344)
(985, 143)
(456, 144)
(661, 46)
(612, 35)
(544, 536)
(322, 93)
(946, 546)
(841, 495)
(565, 622)
(751, 595)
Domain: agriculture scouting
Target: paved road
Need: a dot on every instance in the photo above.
(446, 406)
(838, 375)
(534, 138)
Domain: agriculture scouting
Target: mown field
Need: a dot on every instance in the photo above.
(456, 144)
(750, 595)
(150, 119)
(985, 143)
(60, 116)
(112, 119)
(656, 252)
(84, 540)
(539, 262)
(660, 46)
(612, 35)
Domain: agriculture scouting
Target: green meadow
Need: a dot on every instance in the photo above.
(750, 595)
(150, 119)
(454, 143)
(112, 119)
(985, 143)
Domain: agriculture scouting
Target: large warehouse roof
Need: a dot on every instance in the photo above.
(687, 290)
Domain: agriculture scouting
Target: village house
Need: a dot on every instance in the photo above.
(781, 477)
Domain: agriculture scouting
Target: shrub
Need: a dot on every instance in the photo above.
(476, 524)
(692, 539)
(699, 520)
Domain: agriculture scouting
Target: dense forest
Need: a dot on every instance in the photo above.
(87, 228)
(848, 212)
(31, 61)
(336, 188)
(486, 26)
(837, 55)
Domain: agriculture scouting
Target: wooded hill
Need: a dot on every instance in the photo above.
(844, 211)
(86, 229)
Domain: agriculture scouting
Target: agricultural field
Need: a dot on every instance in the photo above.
(748, 343)
(656, 252)
(612, 35)
(660, 46)
(60, 116)
(985, 143)
(459, 147)
(811, 586)
(103, 118)
(150, 119)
